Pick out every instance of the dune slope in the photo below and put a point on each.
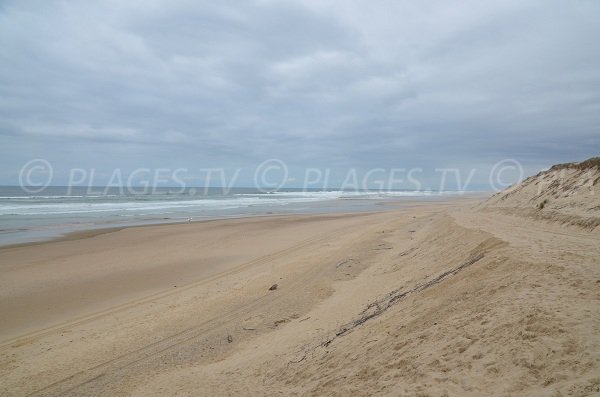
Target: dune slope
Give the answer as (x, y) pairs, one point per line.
(566, 193)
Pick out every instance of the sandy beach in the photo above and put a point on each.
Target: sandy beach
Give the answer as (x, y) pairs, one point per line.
(300, 198)
(439, 298)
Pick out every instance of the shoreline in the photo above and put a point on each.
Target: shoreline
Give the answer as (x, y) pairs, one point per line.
(94, 231)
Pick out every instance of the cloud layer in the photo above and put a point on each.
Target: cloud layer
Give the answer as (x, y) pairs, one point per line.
(316, 83)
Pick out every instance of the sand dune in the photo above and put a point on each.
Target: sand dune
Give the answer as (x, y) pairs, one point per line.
(566, 193)
(456, 298)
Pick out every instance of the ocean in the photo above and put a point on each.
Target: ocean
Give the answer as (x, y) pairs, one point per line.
(58, 210)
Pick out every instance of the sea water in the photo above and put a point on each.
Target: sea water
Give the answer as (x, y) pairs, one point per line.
(57, 210)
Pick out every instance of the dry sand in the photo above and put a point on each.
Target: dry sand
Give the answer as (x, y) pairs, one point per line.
(435, 299)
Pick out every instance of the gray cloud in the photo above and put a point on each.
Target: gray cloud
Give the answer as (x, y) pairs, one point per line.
(330, 83)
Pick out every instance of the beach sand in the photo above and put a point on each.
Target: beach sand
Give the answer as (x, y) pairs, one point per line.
(430, 299)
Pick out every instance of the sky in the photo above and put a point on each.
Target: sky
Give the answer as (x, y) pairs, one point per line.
(325, 84)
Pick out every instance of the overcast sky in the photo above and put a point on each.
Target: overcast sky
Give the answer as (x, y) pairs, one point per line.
(328, 84)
